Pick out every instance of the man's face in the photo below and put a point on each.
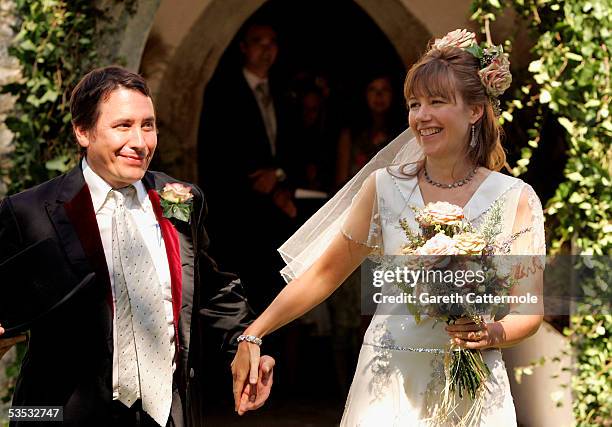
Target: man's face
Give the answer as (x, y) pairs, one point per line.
(122, 143)
(259, 48)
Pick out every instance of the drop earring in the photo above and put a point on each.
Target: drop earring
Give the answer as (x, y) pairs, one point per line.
(473, 140)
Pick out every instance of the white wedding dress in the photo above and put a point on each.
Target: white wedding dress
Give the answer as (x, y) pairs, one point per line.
(400, 375)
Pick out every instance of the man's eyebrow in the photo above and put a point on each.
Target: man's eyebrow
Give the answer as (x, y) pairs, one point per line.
(122, 119)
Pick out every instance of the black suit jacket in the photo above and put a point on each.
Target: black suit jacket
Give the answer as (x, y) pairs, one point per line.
(70, 354)
(233, 129)
(234, 144)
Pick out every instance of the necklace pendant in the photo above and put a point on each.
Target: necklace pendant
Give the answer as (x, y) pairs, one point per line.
(455, 184)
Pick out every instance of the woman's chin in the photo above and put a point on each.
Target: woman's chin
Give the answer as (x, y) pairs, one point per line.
(431, 150)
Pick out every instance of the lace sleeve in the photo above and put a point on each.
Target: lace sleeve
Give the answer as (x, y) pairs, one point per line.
(529, 225)
(529, 250)
(362, 224)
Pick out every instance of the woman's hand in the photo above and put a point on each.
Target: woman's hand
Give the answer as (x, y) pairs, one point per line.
(252, 377)
(467, 333)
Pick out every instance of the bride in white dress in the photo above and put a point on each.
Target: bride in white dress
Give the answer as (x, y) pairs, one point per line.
(454, 157)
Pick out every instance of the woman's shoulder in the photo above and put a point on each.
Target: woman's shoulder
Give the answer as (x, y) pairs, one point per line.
(526, 195)
(505, 180)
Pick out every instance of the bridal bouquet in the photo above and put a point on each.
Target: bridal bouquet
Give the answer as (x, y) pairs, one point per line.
(458, 270)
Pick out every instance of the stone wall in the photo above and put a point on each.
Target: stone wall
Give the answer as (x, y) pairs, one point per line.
(9, 72)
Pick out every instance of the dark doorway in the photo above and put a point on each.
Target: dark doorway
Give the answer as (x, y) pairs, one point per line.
(336, 38)
(319, 40)
(335, 43)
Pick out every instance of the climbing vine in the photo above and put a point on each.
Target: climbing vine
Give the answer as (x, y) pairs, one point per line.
(55, 47)
(570, 80)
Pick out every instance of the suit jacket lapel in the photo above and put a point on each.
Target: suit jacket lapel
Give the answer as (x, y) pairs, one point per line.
(75, 222)
(74, 219)
(173, 242)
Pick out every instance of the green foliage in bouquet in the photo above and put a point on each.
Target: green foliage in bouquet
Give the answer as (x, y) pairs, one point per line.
(570, 80)
(447, 242)
(468, 372)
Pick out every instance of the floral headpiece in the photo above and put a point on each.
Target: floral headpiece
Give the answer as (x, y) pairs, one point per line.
(495, 65)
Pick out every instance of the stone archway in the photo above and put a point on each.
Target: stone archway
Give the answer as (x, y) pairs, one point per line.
(179, 88)
(180, 61)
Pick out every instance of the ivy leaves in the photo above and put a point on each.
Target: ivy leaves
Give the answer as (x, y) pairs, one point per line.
(571, 80)
(54, 47)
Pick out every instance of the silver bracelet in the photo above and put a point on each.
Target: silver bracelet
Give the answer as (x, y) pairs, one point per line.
(250, 338)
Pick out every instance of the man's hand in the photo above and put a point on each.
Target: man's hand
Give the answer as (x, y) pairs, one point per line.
(252, 376)
(253, 397)
(264, 180)
(7, 343)
(282, 199)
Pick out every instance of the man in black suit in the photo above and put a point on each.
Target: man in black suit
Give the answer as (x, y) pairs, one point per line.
(243, 139)
(128, 348)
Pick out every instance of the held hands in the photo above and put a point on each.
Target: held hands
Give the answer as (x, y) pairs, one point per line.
(7, 343)
(477, 336)
(252, 376)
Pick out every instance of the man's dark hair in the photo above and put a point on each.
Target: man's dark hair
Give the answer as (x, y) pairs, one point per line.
(252, 23)
(96, 87)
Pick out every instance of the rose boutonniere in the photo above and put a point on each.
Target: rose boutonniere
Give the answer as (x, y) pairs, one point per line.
(177, 201)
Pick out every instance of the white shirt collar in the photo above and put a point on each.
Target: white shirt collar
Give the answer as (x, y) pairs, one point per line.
(252, 79)
(99, 189)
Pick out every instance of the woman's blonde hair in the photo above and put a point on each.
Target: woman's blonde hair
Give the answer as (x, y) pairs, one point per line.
(441, 72)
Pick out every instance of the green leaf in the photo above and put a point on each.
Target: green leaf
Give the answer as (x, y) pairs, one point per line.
(568, 125)
(575, 176)
(545, 96)
(50, 96)
(573, 56)
(535, 66)
(180, 213)
(59, 164)
(475, 50)
(28, 45)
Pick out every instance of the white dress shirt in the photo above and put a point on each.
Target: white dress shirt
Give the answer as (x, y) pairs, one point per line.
(253, 81)
(144, 217)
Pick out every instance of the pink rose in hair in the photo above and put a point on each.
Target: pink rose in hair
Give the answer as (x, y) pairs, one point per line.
(496, 77)
(457, 38)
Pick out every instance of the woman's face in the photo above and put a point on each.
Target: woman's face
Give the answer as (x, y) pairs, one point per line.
(379, 95)
(441, 125)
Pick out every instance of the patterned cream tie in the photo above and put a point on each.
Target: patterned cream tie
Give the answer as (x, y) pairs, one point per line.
(267, 113)
(144, 351)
